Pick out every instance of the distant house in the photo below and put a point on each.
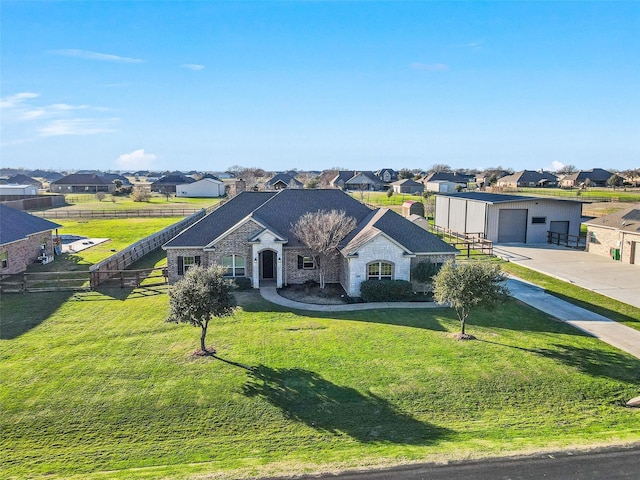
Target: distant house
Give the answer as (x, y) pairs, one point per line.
(458, 178)
(282, 180)
(82, 183)
(442, 186)
(21, 179)
(507, 218)
(485, 178)
(251, 236)
(113, 177)
(407, 186)
(529, 178)
(353, 180)
(597, 177)
(387, 175)
(168, 183)
(24, 239)
(616, 235)
(205, 188)
(49, 176)
(18, 190)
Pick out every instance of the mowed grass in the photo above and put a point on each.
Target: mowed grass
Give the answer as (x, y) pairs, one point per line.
(121, 233)
(101, 387)
(156, 202)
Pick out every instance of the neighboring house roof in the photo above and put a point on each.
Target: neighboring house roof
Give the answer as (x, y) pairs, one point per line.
(411, 237)
(173, 179)
(81, 179)
(627, 220)
(449, 176)
(343, 176)
(211, 176)
(112, 177)
(46, 175)
(361, 178)
(17, 225)
(494, 198)
(529, 176)
(407, 182)
(392, 173)
(595, 175)
(21, 179)
(284, 178)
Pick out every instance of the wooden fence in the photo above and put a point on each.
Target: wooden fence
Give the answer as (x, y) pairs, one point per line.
(45, 282)
(169, 212)
(104, 270)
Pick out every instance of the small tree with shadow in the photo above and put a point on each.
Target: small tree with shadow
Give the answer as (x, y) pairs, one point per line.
(202, 294)
(467, 286)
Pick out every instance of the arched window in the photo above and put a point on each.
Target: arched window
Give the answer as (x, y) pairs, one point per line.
(380, 271)
(233, 265)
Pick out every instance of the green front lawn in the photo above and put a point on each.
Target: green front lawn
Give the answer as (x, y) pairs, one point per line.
(157, 202)
(96, 385)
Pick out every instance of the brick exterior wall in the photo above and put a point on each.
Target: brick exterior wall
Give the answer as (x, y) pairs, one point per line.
(24, 252)
(293, 275)
(600, 241)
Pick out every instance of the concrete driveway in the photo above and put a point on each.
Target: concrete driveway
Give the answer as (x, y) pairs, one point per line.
(617, 280)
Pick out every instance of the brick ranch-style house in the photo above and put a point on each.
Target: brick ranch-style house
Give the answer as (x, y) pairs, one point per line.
(251, 236)
(24, 239)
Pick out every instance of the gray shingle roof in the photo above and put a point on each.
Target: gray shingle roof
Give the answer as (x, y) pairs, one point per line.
(285, 178)
(81, 179)
(220, 220)
(16, 225)
(412, 237)
(627, 220)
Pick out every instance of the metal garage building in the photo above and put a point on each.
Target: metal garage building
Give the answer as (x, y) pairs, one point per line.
(508, 218)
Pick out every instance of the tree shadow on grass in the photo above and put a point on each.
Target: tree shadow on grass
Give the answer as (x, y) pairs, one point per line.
(21, 312)
(592, 361)
(306, 397)
(595, 362)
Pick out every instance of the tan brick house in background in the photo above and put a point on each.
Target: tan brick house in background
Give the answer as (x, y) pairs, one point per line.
(250, 235)
(616, 235)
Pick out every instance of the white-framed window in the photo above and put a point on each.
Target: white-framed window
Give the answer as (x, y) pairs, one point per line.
(306, 263)
(187, 263)
(380, 270)
(4, 259)
(234, 265)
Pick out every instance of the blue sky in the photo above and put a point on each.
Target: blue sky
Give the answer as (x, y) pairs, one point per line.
(313, 85)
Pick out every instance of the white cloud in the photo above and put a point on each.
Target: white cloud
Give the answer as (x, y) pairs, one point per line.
(555, 166)
(13, 101)
(86, 54)
(76, 126)
(430, 67)
(136, 160)
(195, 67)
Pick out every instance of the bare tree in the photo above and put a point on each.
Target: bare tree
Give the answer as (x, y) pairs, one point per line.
(322, 232)
(566, 170)
(439, 168)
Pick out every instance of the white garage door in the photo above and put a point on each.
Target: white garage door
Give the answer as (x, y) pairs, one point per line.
(512, 226)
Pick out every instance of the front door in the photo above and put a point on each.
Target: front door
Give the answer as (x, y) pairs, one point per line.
(268, 264)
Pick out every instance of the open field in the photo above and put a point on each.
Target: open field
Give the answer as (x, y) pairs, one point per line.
(96, 385)
(157, 202)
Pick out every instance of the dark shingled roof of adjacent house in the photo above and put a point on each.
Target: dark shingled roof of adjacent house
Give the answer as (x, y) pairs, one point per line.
(412, 237)
(220, 220)
(82, 179)
(284, 178)
(17, 225)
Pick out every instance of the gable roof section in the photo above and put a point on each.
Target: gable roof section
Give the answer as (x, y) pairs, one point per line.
(529, 176)
(223, 218)
(17, 225)
(408, 182)
(627, 220)
(287, 206)
(82, 179)
(410, 236)
(284, 178)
